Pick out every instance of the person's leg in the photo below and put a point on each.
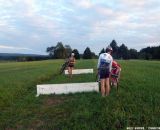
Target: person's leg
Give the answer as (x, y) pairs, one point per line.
(107, 86)
(103, 87)
(71, 72)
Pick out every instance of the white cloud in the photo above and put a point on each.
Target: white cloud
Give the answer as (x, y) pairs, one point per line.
(83, 3)
(104, 11)
(44, 23)
(135, 3)
(24, 50)
(16, 48)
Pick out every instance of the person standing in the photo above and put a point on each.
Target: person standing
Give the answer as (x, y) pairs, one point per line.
(104, 67)
(71, 63)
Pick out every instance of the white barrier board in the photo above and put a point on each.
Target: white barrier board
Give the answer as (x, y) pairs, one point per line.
(67, 88)
(80, 71)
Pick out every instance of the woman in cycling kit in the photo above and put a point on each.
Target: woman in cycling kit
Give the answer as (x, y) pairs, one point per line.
(71, 64)
(104, 68)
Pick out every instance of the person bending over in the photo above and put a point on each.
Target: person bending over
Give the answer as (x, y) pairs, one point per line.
(115, 73)
(104, 68)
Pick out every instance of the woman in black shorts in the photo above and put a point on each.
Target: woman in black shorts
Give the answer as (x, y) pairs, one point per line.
(71, 64)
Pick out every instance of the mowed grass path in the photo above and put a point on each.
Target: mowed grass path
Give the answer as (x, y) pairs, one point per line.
(136, 104)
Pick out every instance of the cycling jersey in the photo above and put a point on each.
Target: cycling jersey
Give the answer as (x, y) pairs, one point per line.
(105, 61)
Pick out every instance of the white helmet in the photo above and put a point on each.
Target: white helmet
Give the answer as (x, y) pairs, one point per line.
(72, 54)
(109, 48)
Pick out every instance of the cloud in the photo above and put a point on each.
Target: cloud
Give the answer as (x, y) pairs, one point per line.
(13, 49)
(134, 3)
(38, 24)
(86, 4)
(16, 48)
(104, 11)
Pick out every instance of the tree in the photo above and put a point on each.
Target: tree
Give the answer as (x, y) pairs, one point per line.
(150, 53)
(51, 51)
(114, 46)
(102, 51)
(142, 55)
(133, 54)
(124, 53)
(77, 55)
(58, 51)
(68, 50)
(94, 56)
(87, 53)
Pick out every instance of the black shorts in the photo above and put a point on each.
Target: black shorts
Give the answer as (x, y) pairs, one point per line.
(71, 65)
(104, 73)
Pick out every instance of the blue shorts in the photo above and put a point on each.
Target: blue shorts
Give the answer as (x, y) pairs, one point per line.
(104, 73)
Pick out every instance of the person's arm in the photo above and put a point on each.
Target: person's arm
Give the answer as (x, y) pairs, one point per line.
(98, 65)
(119, 66)
(110, 66)
(74, 61)
(98, 62)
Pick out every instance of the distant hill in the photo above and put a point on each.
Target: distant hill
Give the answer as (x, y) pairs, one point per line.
(18, 54)
(22, 57)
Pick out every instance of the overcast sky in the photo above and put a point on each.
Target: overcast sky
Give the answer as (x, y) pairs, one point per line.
(29, 26)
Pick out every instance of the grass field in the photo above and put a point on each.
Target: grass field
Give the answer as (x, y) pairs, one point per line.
(136, 104)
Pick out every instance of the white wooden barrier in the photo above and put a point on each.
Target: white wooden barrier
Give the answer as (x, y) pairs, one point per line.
(67, 88)
(80, 71)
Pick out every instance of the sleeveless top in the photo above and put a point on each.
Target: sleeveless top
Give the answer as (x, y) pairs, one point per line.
(71, 61)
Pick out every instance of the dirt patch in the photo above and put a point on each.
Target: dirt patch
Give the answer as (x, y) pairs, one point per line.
(10, 129)
(54, 101)
(37, 123)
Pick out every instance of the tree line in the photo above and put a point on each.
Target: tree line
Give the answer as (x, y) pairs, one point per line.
(61, 51)
(122, 52)
(150, 53)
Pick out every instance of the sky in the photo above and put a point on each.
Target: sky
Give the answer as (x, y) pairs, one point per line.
(30, 26)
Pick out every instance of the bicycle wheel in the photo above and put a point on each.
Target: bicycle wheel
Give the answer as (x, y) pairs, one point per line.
(62, 68)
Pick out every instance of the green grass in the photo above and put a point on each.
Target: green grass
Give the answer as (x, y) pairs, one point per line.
(78, 78)
(136, 104)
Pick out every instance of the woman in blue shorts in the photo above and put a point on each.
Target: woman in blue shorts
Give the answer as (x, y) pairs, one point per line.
(104, 68)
